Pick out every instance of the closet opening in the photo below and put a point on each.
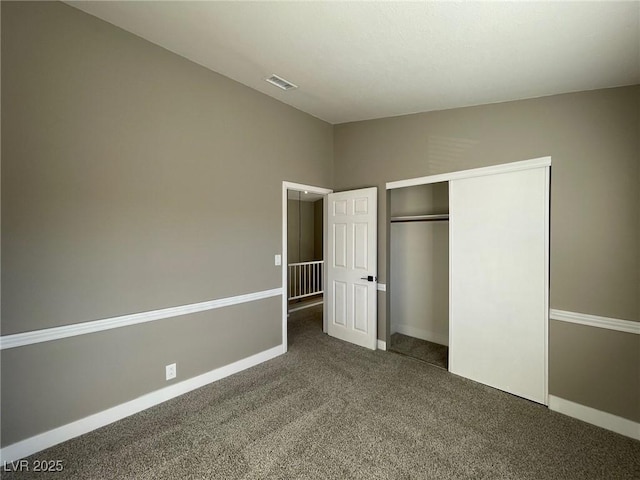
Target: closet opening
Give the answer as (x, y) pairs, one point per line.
(419, 272)
(476, 286)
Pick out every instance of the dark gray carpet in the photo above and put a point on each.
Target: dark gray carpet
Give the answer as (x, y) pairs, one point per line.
(429, 352)
(329, 410)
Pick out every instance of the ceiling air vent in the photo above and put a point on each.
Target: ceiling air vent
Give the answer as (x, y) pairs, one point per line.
(280, 82)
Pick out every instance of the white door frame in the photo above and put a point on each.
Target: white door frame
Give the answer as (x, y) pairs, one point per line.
(299, 187)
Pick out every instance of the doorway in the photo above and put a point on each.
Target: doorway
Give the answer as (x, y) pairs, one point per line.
(351, 250)
(305, 257)
(303, 250)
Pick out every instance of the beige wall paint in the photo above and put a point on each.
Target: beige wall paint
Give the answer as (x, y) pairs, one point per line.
(429, 199)
(318, 226)
(301, 233)
(592, 138)
(595, 367)
(419, 280)
(134, 175)
(132, 180)
(419, 264)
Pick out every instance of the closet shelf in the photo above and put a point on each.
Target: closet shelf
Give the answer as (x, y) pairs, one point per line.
(420, 218)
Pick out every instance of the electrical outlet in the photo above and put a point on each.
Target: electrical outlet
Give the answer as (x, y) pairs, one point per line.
(171, 371)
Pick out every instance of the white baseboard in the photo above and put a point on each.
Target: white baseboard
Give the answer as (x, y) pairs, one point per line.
(382, 345)
(423, 334)
(71, 430)
(620, 425)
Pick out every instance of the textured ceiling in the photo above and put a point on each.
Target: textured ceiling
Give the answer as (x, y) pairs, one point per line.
(363, 60)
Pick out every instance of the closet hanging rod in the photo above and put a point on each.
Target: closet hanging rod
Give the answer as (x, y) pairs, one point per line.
(420, 218)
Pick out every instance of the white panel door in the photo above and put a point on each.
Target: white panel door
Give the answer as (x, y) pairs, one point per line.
(351, 268)
(499, 280)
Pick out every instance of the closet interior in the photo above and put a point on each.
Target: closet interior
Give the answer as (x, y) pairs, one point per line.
(419, 272)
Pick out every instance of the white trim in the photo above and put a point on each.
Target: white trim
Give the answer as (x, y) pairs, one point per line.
(475, 172)
(300, 187)
(451, 305)
(71, 430)
(423, 334)
(325, 255)
(65, 331)
(617, 424)
(314, 262)
(382, 287)
(547, 269)
(382, 345)
(627, 326)
(307, 295)
(309, 305)
(285, 305)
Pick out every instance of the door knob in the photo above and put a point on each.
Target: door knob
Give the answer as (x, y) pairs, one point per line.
(369, 278)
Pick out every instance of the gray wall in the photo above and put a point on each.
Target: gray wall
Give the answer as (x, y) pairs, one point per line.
(596, 367)
(318, 226)
(592, 138)
(132, 180)
(418, 287)
(301, 232)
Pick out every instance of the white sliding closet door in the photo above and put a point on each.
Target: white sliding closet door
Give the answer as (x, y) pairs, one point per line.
(499, 280)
